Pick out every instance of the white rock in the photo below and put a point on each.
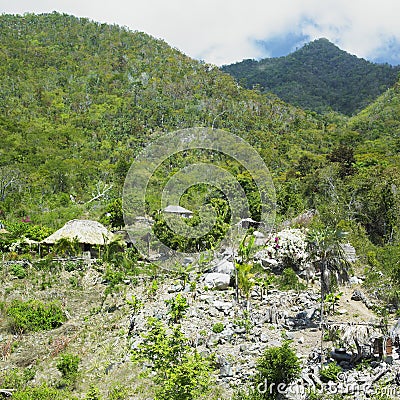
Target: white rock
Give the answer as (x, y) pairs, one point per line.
(264, 338)
(222, 305)
(218, 281)
(224, 267)
(355, 281)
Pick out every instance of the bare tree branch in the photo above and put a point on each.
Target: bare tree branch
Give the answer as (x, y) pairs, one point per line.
(101, 190)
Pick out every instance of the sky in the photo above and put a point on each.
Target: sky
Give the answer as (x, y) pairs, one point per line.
(226, 31)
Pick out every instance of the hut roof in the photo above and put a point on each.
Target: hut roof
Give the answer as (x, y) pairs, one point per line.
(177, 209)
(85, 231)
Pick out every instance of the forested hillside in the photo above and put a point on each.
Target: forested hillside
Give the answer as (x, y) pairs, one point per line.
(319, 77)
(78, 101)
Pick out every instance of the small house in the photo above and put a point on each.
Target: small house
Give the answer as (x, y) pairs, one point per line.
(91, 235)
(178, 210)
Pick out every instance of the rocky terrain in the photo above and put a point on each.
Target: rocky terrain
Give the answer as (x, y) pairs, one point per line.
(97, 327)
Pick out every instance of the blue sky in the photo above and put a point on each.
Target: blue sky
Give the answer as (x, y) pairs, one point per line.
(223, 32)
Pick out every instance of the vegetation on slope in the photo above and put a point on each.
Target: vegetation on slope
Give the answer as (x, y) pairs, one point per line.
(80, 99)
(319, 77)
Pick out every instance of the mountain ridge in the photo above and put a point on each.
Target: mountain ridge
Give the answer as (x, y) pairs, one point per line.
(319, 76)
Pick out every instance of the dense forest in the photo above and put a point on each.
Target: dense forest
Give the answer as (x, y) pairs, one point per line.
(79, 100)
(319, 77)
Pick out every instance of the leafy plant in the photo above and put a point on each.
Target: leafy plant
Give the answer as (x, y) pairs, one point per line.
(19, 271)
(153, 287)
(177, 308)
(17, 378)
(277, 365)
(68, 365)
(183, 272)
(245, 281)
(218, 327)
(42, 392)
(34, 315)
(330, 372)
(290, 280)
(244, 322)
(67, 247)
(180, 373)
(93, 394)
(331, 301)
(135, 303)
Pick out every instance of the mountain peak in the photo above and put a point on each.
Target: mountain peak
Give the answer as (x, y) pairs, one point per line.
(319, 76)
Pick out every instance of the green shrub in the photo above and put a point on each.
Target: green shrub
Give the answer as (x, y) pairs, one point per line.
(70, 266)
(118, 391)
(330, 372)
(19, 271)
(278, 365)
(34, 315)
(218, 327)
(93, 394)
(68, 365)
(290, 280)
(177, 307)
(114, 276)
(42, 393)
(179, 372)
(17, 378)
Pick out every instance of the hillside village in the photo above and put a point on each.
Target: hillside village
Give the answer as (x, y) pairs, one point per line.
(307, 305)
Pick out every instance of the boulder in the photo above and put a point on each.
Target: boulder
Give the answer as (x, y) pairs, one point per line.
(224, 267)
(218, 281)
(354, 280)
(222, 305)
(358, 295)
(349, 252)
(225, 370)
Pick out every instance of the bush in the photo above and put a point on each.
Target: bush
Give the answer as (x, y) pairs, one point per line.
(330, 372)
(179, 372)
(42, 393)
(278, 365)
(178, 307)
(34, 315)
(19, 271)
(290, 280)
(68, 365)
(93, 394)
(218, 327)
(17, 378)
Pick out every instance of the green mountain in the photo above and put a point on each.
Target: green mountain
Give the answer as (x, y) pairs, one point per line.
(319, 77)
(80, 99)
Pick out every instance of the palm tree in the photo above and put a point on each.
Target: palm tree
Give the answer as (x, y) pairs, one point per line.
(245, 281)
(113, 248)
(326, 251)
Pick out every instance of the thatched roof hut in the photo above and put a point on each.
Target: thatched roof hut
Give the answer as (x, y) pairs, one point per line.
(178, 210)
(85, 231)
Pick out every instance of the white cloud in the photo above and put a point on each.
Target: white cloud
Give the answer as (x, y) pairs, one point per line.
(220, 32)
